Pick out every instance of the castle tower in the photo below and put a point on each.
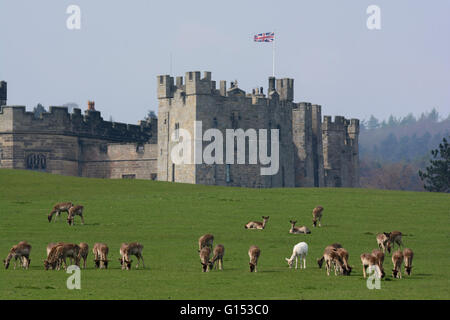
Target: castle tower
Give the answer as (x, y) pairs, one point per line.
(3, 93)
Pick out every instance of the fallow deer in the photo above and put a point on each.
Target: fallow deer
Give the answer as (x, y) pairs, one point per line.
(333, 246)
(369, 260)
(50, 246)
(343, 254)
(383, 242)
(257, 224)
(135, 249)
(205, 241)
(84, 251)
(217, 260)
(21, 252)
(298, 230)
(60, 253)
(253, 252)
(379, 255)
(408, 255)
(100, 251)
(395, 237)
(397, 260)
(317, 215)
(75, 211)
(299, 250)
(58, 208)
(54, 255)
(204, 254)
(332, 259)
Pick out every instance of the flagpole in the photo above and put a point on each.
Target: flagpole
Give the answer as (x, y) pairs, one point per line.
(273, 54)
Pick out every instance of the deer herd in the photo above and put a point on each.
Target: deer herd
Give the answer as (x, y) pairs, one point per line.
(335, 256)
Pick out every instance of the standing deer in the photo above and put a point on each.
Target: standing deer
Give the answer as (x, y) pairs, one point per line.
(383, 242)
(395, 237)
(58, 208)
(54, 254)
(369, 260)
(332, 259)
(84, 251)
(299, 250)
(397, 260)
(317, 215)
(204, 254)
(217, 260)
(408, 255)
(50, 246)
(60, 253)
(135, 249)
(298, 230)
(205, 241)
(343, 254)
(333, 246)
(379, 255)
(75, 211)
(257, 224)
(100, 251)
(21, 252)
(254, 252)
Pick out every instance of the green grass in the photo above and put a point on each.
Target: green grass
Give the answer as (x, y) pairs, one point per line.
(169, 218)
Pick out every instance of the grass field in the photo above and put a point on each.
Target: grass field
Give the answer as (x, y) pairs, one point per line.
(169, 218)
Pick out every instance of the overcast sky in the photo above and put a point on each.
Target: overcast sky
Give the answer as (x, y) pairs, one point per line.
(325, 46)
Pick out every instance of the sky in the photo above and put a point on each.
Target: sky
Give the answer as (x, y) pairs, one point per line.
(325, 45)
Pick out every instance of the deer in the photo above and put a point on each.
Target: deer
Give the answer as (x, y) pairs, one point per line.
(299, 250)
(100, 251)
(21, 252)
(379, 255)
(317, 215)
(333, 246)
(332, 259)
(397, 260)
(395, 237)
(75, 211)
(205, 241)
(217, 260)
(54, 254)
(204, 254)
(383, 242)
(50, 246)
(369, 260)
(408, 255)
(298, 230)
(60, 253)
(253, 252)
(134, 248)
(343, 254)
(58, 208)
(84, 251)
(257, 224)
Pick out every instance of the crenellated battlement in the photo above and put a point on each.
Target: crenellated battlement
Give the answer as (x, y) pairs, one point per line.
(59, 121)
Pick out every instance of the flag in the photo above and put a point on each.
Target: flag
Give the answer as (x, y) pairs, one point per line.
(264, 37)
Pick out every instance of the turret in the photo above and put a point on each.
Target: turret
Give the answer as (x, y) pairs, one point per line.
(3, 93)
(285, 88)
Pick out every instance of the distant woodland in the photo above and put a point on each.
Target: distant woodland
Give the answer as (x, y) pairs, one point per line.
(393, 151)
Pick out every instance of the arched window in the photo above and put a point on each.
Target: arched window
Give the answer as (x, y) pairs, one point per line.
(36, 161)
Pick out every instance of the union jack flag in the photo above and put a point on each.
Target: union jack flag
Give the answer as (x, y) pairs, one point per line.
(264, 37)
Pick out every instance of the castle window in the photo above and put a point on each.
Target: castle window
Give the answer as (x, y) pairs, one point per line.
(153, 176)
(128, 176)
(228, 173)
(177, 130)
(140, 148)
(161, 80)
(36, 162)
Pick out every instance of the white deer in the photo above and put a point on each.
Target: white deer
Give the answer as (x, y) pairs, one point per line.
(300, 250)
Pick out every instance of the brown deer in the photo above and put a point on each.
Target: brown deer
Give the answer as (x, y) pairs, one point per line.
(408, 255)
(135, 249)
(60, 253)
(333, 246)
(75, 211)
(217, 260)
(332, 259)
(298, 230)
(379, 255)
(383, 242)
(53, 260)
(21, 252)
(257, 224)
(253, 252)
(58, 208)
(395, 237)
(100, 251)
(205, 241)
(50, 246)
(369, 260)
(397, 260)
(84, 251)
(343, 254)
(204, 254)
(317, 215)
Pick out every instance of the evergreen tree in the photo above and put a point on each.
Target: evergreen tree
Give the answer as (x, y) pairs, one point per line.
(437, 175)
(373, 123)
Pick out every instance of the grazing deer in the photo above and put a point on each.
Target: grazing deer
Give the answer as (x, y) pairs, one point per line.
(205, 241)
(50, 246)
(330, 247)
(53, 260)
(397, 260)
(408, 255)
(332, 259)
(75, 211)
(298, 230)
(257, 224)
(379, 255)
(217, 260)
(254, 252)
(84, 251)
(299, 250)
(100, 251)
(317, 215)
(135, 249)
(60, 253)
(21, 252)
(395, 237)
(343, 254)
(383, 242)
(58, 208)
(369, 260)
(204, 254)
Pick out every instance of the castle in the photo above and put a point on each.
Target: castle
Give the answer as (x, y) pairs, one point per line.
(312, 152)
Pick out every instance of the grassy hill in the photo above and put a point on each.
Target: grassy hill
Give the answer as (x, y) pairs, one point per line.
(169, 218)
